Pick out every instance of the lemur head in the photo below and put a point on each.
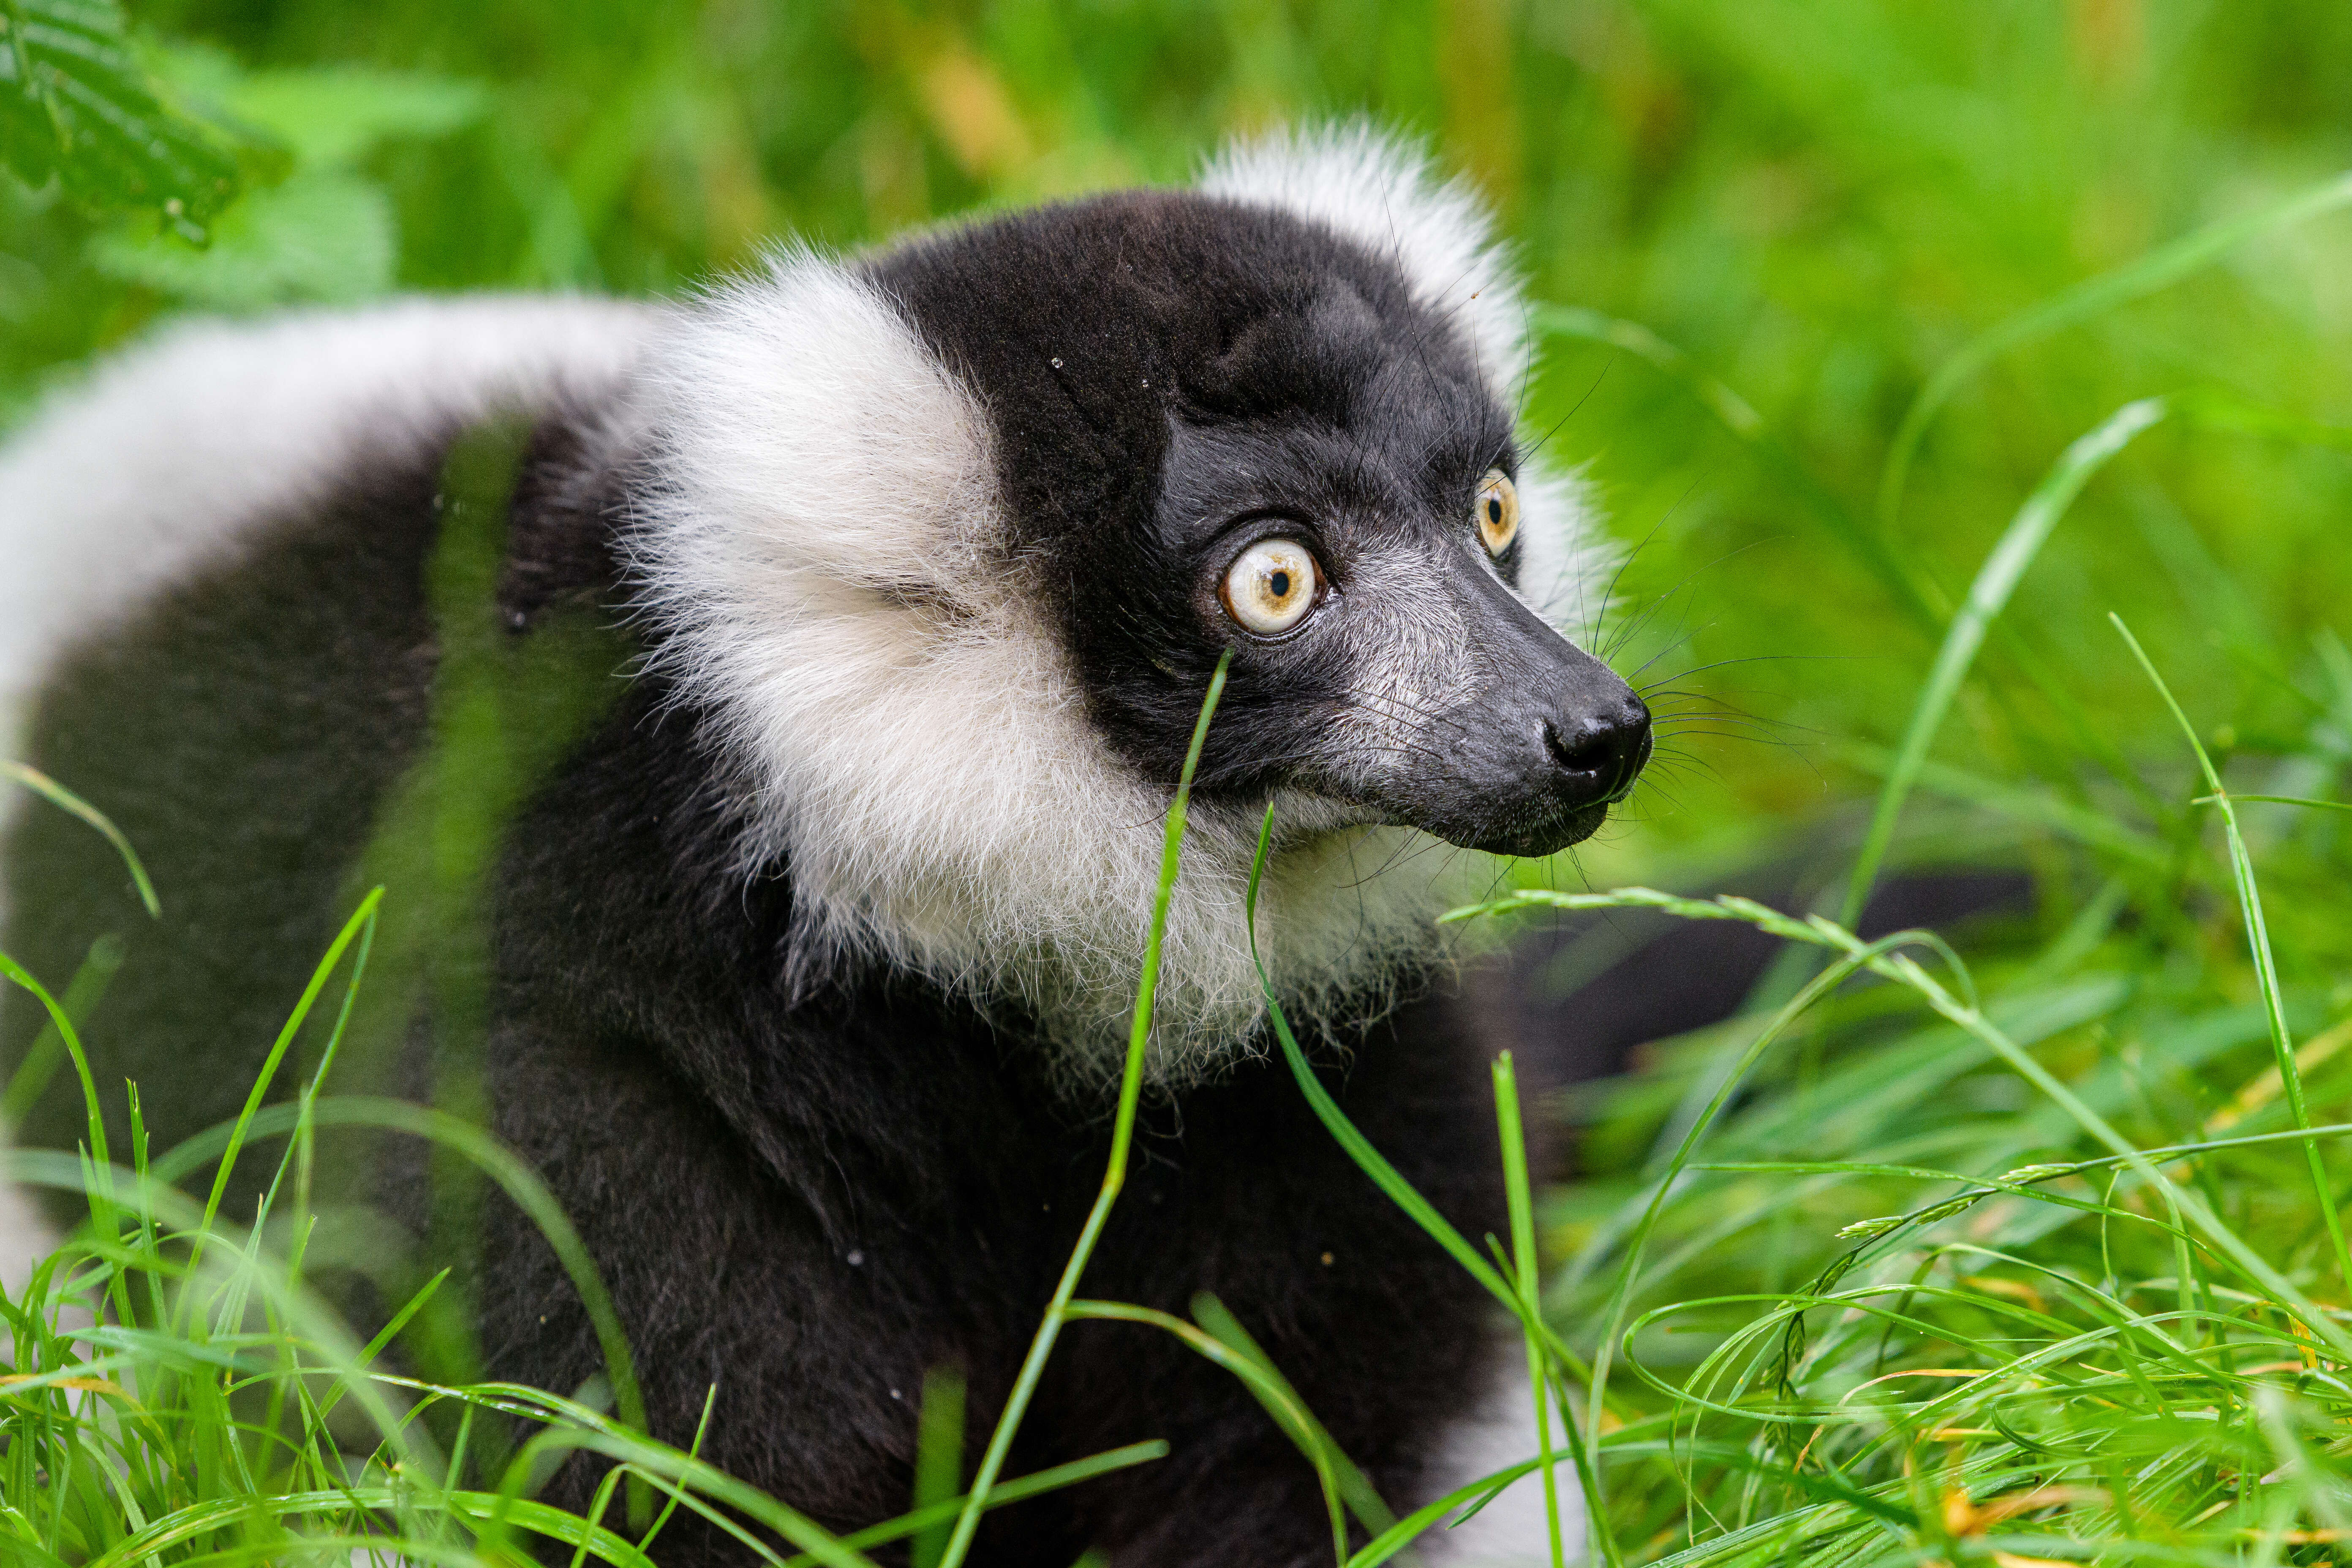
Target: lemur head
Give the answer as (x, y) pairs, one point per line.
(950, 539)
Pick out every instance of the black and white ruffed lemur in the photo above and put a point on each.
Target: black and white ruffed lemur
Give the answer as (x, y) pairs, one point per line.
(809, 960)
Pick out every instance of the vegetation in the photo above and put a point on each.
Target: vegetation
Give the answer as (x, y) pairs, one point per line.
(1907, 343)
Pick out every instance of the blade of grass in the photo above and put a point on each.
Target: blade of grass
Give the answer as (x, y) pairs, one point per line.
(1878, 958)
(2158, 270)
(362, 919)
(1521, 1205)
(518, 1180)
(1130, 1090)
(1388, 1542)
(1360, 1148)
(1355, 1487)
(386, 1334)
(1036, 1484)
(939, 1460)
(656, 1462)
(676, 1489)
(1995, 582)
(2032, 807)
(338, 1348)
(99, 1190)
(40, 1064)
(1272, 1392)
(1620, 1297)
(2274, 800)
(65, 800)
(2257, 941)
(150, 1543)
(1418, 1209)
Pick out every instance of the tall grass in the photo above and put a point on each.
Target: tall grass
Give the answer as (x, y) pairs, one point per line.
(2092, 1315)
(2043, 1265)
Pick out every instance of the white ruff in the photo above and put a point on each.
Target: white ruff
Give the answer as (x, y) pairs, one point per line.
(822, 553)
(172, 455)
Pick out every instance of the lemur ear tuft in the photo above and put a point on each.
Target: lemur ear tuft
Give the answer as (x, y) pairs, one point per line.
(571, 499)
(1385, 192)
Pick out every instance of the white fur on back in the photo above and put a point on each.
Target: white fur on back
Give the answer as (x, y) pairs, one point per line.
(824, 550)
(172, 451)
(1380, 191)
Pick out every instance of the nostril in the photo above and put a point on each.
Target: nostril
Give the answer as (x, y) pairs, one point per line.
(1588, 753)
(1610, 752)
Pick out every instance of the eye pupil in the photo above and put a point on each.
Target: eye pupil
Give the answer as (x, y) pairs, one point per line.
(1496, 513)
(1280, 584)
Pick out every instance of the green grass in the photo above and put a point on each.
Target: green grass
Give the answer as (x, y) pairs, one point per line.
(1908, 343)
(2049, 1266)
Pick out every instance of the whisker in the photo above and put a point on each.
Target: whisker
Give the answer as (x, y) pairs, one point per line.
(1664, 518)
(1635, 673)
(1696, 574)
(1529, 455)
(1774, 658)
(1617, 576)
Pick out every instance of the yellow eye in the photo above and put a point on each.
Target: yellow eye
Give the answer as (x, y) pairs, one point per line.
(1271, 587)
(1498, 511)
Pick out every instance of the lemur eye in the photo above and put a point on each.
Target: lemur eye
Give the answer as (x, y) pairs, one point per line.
(1271, 587)
(1498, 511)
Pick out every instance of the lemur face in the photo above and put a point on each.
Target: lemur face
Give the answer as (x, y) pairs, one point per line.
(1216, 427)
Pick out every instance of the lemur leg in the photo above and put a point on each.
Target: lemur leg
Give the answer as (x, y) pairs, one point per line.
(1514, 1531)
(24, 1238)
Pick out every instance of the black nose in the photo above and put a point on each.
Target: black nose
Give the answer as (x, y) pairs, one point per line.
(1601, 755)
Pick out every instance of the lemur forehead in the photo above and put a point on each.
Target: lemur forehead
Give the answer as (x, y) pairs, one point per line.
(1087, 330)
(1211, 287)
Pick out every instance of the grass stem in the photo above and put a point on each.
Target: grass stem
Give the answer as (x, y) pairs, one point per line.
(1131, 1093)
(2258, 941)
(1528, 1276)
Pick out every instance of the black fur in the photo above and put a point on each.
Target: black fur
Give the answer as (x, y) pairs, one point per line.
(1156, 368)
(242, 733)
(726, 1152)
(812, 1204)
(570, 496)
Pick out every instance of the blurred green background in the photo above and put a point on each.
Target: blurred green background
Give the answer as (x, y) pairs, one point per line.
(1819, 200)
